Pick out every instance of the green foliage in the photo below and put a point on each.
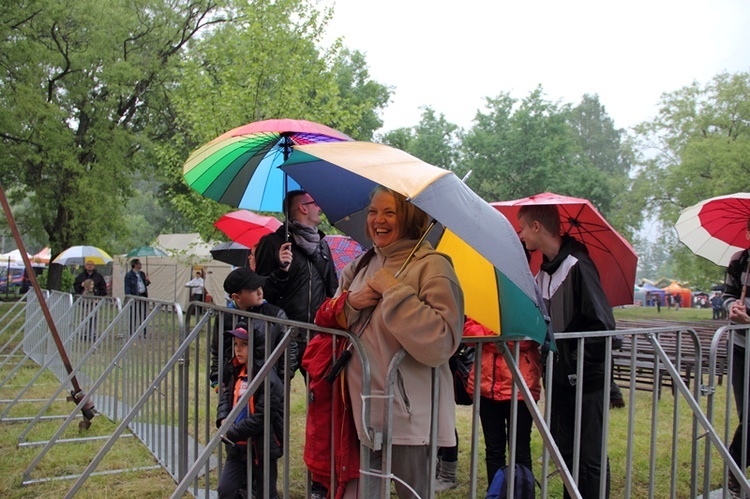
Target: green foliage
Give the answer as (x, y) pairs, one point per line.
(696, 148)
(81, 87)
(266, 64)
(521, 148)
(66, 280)
(434, 140)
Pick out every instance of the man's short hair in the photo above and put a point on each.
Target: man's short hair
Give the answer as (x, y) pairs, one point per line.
(134, 262)
(546, 214)
(289, 198)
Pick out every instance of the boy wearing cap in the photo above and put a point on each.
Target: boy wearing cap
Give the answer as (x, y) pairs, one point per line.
(248, 427)
(245, 290)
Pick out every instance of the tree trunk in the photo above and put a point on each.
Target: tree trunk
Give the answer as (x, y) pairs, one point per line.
(54, 277)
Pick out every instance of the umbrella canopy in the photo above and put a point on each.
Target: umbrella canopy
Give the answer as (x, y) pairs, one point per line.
(43, 256)
(344, 249)
(13, 256)
(246, 227)
(145, 251)
(240, 167)
(79, 255)
(232, 253)
(716, 228)
(486, 253)
(614, 257)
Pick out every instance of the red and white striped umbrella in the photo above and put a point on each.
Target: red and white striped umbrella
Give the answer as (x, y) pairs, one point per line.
(716, 228)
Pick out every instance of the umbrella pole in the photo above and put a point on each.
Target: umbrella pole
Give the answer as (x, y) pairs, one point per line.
(287, 144)
(76, 395)
(426, 232)
(414, 249)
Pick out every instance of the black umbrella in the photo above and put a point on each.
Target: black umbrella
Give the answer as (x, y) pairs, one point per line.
(232, 253)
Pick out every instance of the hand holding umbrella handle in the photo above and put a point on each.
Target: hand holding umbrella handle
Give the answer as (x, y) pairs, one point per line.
(285, 255)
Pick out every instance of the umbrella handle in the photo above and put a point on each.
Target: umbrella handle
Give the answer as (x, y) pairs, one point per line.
(426, 232)
(416, 246)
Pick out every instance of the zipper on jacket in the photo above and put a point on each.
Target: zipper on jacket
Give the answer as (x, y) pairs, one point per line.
(402, 389)
(309, 291)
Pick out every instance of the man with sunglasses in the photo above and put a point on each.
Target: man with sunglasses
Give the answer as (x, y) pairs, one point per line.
(300, 271)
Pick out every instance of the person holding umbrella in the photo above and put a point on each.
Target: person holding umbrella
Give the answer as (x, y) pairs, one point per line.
(404, 296)
(576, 302)
(89, 272)
(736, 302)
(300, 268)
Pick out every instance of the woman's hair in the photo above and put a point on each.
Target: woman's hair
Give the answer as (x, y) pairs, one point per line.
(412, 220)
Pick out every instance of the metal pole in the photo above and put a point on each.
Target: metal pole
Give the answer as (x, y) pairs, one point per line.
(76, 395)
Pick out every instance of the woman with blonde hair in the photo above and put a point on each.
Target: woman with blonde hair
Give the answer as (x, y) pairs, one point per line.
(396, 300)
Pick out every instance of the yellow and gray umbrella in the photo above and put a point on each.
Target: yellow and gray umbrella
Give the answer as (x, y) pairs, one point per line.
(79, 255)
(487, 255)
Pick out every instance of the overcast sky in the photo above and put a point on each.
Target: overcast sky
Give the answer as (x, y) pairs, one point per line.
(452, 55)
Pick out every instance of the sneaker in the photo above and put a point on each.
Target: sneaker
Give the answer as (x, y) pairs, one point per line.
(316, 495)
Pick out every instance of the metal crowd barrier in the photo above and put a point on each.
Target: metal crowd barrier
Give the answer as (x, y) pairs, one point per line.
(200, 480)
(19, 317)
(115, 360)
(157, 387)
(732, 407)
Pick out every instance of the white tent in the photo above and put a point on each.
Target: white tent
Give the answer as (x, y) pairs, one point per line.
(168, 275)
(188, 246)
(14, 257)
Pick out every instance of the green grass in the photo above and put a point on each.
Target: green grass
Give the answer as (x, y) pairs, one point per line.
(650, 313)
(129, 453)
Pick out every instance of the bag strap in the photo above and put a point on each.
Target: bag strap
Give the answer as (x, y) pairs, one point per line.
(366, 257)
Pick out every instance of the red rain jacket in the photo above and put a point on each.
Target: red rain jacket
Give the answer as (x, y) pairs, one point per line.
(496, 379)
(328, 400)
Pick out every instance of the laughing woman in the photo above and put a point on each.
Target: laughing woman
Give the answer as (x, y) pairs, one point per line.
(421, 311)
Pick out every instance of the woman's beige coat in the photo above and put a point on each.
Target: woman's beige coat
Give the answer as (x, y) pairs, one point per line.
(424, 314)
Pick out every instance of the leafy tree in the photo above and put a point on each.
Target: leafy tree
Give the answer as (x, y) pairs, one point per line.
(434, 140)
(517, 149)
(400, 138)
(607, 150)
(696, 148)
(266, 64)
(82, 84)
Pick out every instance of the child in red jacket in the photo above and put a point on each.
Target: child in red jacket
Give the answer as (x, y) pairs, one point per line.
(495, 384)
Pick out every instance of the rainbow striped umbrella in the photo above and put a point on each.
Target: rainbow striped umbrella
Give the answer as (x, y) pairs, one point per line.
(486, 252)
(240, 167)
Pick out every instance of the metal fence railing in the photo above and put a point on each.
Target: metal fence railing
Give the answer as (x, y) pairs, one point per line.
(146, 370)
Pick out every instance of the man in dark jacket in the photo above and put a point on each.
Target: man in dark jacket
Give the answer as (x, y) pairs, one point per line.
(736, 303)
(136, 284)
(300, 271)
(576, 302)
(136, 281)
(100, 285)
